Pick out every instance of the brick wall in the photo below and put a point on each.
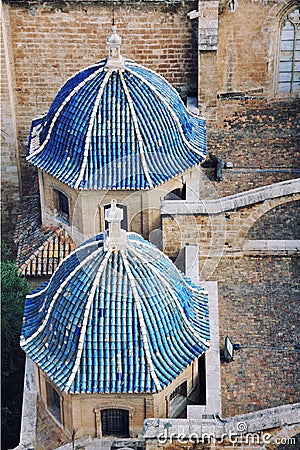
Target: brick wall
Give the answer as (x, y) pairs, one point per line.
(239, 180)
(51, 41)
(49, 435)
(262, 142)
(259, 306)
(281, 222)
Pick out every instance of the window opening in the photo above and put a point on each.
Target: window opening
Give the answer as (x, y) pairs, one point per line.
(53, 401)
(63, 207)
(179, 401)
(115, 422)
(202, 380)
(289, 60)
(177, 194)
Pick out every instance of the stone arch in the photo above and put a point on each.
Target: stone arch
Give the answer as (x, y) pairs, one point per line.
(279, 223)
(259, 210)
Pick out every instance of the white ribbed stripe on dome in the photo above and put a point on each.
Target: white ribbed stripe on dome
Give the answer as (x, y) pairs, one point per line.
(204, 292)
(64, 103)
(137, 130)
(69, 277)
(168, 107)
(36, 294)
(170, 290)
(137, 299)
(147, 69)
(90, 128)
(85, 320)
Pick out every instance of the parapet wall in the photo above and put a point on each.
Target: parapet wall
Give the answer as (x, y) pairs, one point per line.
(220, 226)
(261, 429)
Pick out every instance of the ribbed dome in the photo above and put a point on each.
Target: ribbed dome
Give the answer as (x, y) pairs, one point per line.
(115, 320)
(116, 128)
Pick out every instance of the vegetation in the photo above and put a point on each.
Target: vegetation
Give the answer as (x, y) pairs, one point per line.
(13, 291)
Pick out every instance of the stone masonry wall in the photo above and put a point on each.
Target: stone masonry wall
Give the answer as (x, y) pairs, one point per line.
(10, 182)
(243, 64)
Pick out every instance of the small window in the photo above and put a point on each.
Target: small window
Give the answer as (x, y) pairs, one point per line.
(179, 401)
(63, 207)
(124, 222)
(115, 422)
(181, 390)
(289, 57)
(53, 401)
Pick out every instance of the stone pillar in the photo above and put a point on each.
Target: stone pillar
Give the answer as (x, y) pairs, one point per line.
(10, 170)
(192, 180)
(207, 15)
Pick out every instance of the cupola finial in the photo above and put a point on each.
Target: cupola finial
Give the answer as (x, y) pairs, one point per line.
(115, 60)
(117, 237)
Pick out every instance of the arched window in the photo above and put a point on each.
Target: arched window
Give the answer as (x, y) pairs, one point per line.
(289, 54)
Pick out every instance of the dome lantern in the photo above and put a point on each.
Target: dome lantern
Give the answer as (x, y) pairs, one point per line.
(115, 60)
(117, 238)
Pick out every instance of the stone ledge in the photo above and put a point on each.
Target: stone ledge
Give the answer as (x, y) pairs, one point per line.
(231, 202)
(271, 246)
(28, 420)
(266, 419)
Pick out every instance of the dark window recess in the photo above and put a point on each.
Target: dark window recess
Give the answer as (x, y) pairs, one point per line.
(177, 194)
(63, 206)
(53, 402)
(180, 390)
(202, 380)
(124, 222)
(115, 422)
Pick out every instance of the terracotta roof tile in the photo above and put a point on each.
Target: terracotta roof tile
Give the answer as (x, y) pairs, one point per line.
(40, 248)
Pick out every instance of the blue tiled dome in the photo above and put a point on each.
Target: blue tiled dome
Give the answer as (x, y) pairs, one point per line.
(111, 128)
(115, 320)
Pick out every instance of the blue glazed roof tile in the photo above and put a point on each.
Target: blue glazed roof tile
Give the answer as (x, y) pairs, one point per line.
(116, 129)
(115, 321)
